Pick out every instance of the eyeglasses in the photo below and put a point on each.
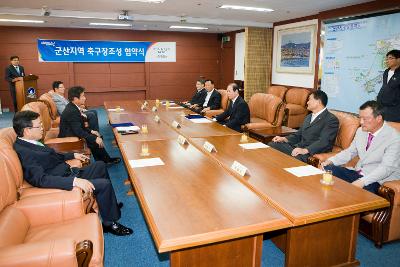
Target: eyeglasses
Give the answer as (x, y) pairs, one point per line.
(33, 127)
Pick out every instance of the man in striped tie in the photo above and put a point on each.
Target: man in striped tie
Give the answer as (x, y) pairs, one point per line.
(378, 147)
(13, 73)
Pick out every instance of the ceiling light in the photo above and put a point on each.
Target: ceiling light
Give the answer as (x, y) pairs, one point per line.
(22, 20)
(188, 27)
(110, 24)
(147, 1)
(247, 8)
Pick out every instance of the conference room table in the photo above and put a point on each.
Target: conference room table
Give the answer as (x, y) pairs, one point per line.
(313, 224)
(194, 209)
(325, 217)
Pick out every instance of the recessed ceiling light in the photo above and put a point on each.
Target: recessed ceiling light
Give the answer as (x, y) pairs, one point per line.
(247, 8)
(22, 20)
(188, 27)
(147, 1)
(110, 24)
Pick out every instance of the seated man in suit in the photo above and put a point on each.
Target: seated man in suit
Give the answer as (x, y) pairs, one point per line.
(378, 147)
(43, 167)
(61, 102)
(212, 100)
(317, 133)
(72, 124)
(237, 113)
(200, 95)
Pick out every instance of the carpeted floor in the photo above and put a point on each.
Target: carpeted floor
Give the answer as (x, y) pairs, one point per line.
(139, 250)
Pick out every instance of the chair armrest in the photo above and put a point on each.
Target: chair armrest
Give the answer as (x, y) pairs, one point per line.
(53, 207)
(211, 113)
(394, 185)
(66, 144)
(60, 252)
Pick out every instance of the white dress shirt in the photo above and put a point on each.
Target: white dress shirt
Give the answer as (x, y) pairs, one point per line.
(207, 98)
(313, 116)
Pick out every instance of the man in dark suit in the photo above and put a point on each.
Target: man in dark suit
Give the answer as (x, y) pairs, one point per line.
(13, 73)
(237, 113)
(199, 95)
(43, 167)
(389, 95)
(316, 135)
(212, 100)
(72, 124)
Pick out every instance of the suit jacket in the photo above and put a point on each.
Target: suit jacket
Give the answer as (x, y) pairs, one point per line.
(389, 96)
(60, 101)
(318, 136)
(381, 162)
(238, 114)
(199, 97)
(215, 100)
(72, 124)
(43, 167)
(11, 73)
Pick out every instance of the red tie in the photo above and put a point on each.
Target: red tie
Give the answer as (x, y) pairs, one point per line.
(370, 137)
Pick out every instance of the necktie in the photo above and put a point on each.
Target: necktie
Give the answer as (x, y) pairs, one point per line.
(17, 69)
(370, 137)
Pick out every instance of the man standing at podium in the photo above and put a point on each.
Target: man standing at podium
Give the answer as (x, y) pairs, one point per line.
(14, 72)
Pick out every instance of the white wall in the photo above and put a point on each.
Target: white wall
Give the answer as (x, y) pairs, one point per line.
(291, 79)
(239, 56)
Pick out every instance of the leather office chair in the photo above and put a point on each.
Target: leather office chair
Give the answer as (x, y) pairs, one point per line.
(51, 106)
(296, 105)
(279, 91)
(24, 189)
(266, 111)
(224, 104)
(348, 125)
(50, 134)
(46, 230)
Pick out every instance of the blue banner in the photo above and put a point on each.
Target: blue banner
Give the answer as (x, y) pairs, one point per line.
(105, 51)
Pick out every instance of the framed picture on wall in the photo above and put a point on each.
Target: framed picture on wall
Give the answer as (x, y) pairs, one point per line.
(296, 49)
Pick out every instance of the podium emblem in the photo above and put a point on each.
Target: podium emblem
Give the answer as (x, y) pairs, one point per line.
(31, 92)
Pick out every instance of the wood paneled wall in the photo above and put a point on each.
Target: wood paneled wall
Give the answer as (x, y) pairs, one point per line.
(198, 54)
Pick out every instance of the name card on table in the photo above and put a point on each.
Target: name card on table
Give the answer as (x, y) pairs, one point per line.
(115, 109)
(140, 163)
(176, 124)
(154, 109)
(239, 168)
(209, 147)
(182, 140)
(156, 118)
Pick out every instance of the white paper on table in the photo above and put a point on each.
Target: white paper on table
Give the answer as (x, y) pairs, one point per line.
(304, 171)
(127, 128)
(115, 109)
(139, 163)
(200, 120)
(253, 145)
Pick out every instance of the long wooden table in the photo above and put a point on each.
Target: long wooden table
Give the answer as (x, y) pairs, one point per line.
(195, 210)
(323, 219)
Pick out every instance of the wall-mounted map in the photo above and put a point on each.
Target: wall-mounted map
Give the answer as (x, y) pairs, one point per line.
(353, 58)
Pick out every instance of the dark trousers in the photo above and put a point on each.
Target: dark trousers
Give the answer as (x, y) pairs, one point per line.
(13, 96)
(99, 153)
(351, 176)
(92, 119)
(97, 174)
(287, 149)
